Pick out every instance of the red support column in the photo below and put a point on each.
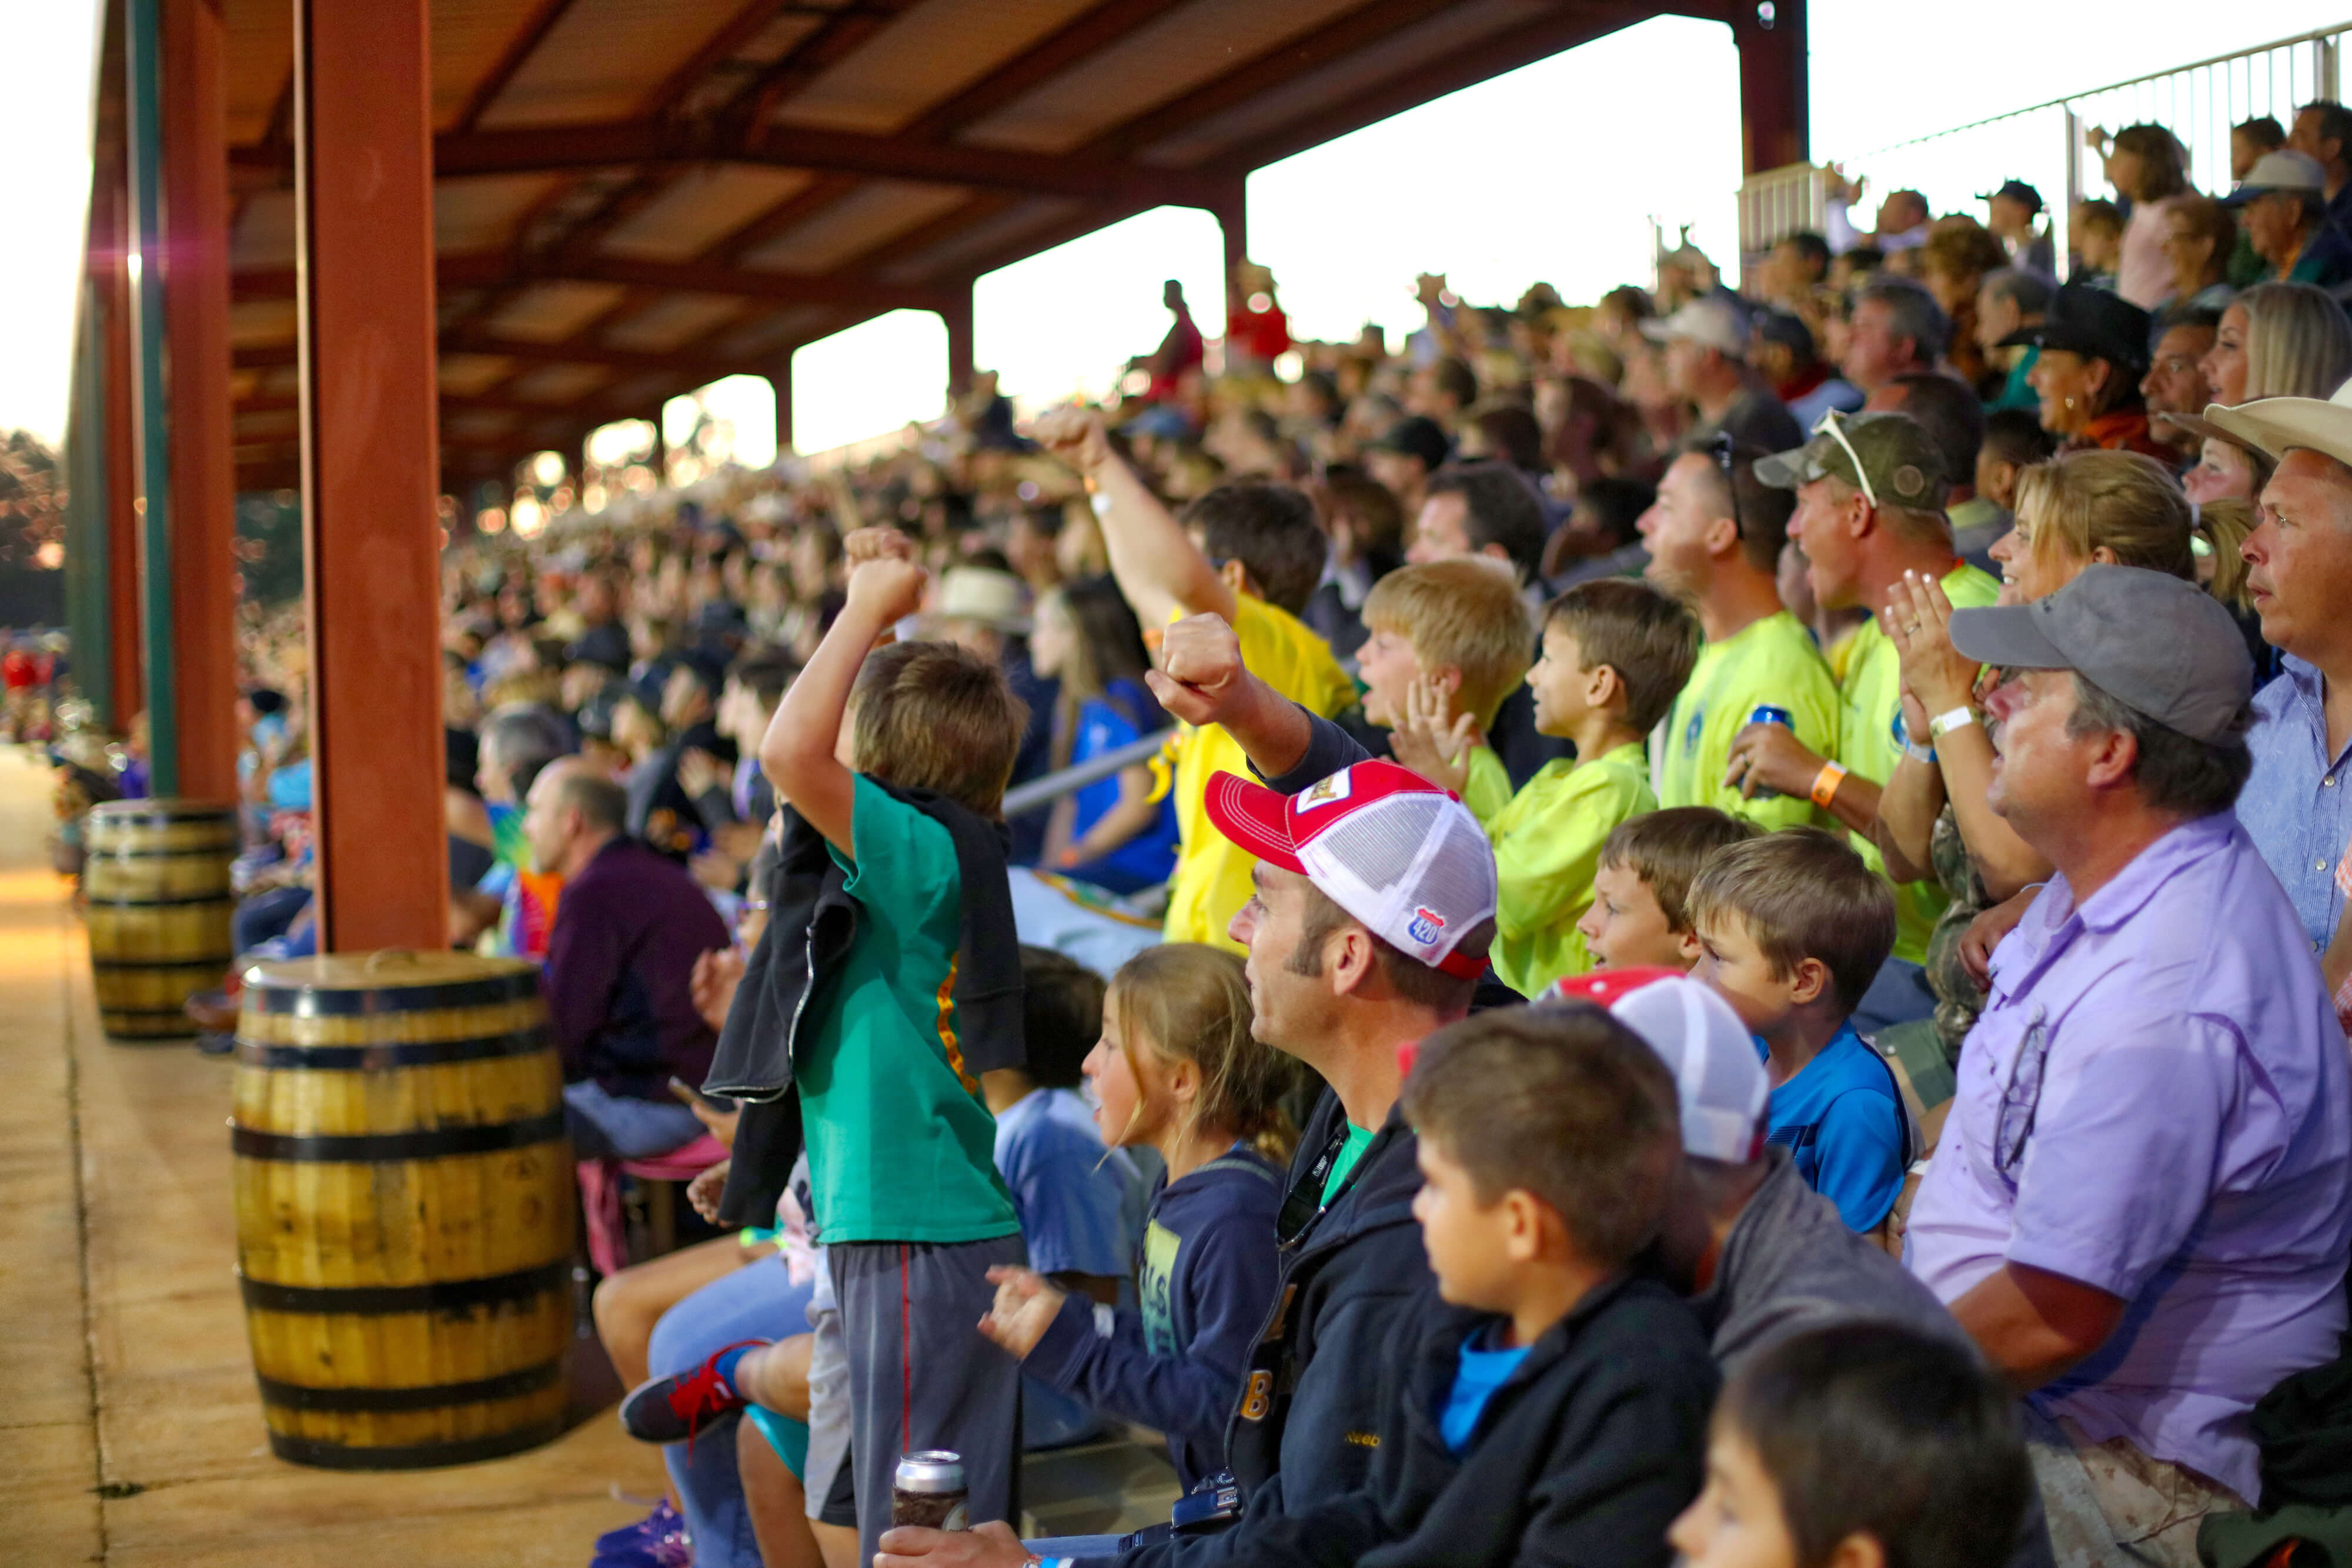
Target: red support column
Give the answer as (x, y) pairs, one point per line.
(364, 186)
(780, 379)
(1775, 113)
(120, 454)
(1232, 219)
(958, 317)
(202, 515)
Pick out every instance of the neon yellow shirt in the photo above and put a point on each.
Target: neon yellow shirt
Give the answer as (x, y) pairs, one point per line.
(1212, 875)
(1771, 663)
(1547, 847)
(1870, 744)
(1487, 790)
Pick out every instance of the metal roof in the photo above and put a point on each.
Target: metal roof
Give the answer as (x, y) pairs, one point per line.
(635, 197)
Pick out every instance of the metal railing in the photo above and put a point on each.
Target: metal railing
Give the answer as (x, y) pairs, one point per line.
(1070, 780)
(2042, 143)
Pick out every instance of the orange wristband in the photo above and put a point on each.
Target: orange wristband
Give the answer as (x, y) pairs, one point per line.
(1826, 782)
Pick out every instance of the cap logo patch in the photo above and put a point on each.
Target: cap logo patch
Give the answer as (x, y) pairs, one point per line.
(1909, 481)
(1324, 791)
(1426, 925)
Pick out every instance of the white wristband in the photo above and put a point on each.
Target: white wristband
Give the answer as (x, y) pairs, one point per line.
(1943, 724)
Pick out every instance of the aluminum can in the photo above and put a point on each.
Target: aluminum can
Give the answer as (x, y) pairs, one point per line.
(1767, 714)
(928, 1489)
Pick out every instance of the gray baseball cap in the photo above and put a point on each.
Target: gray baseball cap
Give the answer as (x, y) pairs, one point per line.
(2162, 647)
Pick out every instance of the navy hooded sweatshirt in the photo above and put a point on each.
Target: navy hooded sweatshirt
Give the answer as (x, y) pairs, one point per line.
(1205, 1273)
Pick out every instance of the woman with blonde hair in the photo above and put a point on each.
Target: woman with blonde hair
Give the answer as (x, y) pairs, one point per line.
(2079, 509)
(2279, 340)
(1177, 1070)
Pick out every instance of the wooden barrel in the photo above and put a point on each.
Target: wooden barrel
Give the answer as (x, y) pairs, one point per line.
(405, 1208)
(156, 882)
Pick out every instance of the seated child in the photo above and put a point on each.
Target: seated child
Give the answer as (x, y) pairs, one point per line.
(1615, 652)
(1791, 927)
(1861, 1444)
(1545, 1402)
(1640, 891)
(1177, 1071)
(1447, 641)
(1081, 1204)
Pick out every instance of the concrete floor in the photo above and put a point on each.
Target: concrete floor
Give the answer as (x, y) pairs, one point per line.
(130, 1431)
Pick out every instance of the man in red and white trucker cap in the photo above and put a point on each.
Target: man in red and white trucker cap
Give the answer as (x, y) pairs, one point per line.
(1400, 856)
(1367, 929)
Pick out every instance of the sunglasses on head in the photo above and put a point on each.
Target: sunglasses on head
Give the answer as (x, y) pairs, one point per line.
(1835, 426)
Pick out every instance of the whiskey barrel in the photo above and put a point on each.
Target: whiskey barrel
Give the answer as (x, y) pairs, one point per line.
(157, 890)
(405, 1208)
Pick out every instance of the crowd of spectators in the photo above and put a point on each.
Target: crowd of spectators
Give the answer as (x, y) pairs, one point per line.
(1789, 836)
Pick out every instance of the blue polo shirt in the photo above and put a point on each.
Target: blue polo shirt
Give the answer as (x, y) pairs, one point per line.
(2293, 806)
(1841, 1123)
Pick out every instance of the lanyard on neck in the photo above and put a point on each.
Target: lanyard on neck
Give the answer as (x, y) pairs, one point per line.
(1306, 1199)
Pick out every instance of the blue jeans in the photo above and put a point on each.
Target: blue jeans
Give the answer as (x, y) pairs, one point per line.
(262, 916)
(614, 1126)
(758, 1301)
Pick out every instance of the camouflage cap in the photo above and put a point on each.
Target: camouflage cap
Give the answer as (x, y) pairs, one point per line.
(1899, 460)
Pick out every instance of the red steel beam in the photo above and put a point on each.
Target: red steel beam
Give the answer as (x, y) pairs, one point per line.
(202, 515)
(491, 268)
(370, 470)
(547, 149)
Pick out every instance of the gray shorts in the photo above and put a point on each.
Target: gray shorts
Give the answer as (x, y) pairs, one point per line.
(828, 1417)
(919, 1375)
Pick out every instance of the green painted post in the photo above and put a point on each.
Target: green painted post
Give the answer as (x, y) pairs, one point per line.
(144, 103)
(86, 543)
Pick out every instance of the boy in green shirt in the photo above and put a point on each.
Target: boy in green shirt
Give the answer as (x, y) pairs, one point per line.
(1449, 641)
(1615, 654)
(896, 756)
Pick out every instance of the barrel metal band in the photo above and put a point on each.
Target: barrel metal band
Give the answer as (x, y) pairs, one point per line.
(317, 1001)
(98, 900)
(415, 1456)
(384, 1301)
(382, 1148)
(402, 1053)
(426, 1397)
(226, 847)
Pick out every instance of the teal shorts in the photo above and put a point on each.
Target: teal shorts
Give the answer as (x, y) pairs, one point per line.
(788, 1437)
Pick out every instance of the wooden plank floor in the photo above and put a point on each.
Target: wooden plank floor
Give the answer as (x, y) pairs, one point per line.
(130, 1431)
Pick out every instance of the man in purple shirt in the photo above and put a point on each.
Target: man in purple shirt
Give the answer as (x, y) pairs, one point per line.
(620, 964)
(2141, 1204)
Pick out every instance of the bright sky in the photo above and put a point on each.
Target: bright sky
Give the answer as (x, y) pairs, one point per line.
(1551, 172)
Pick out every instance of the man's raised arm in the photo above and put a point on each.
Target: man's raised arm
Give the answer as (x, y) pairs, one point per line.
(1154, 561)
(1201, 680)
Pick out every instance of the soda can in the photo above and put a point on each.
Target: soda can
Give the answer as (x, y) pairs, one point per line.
(1767, 714)
(928, 1489)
